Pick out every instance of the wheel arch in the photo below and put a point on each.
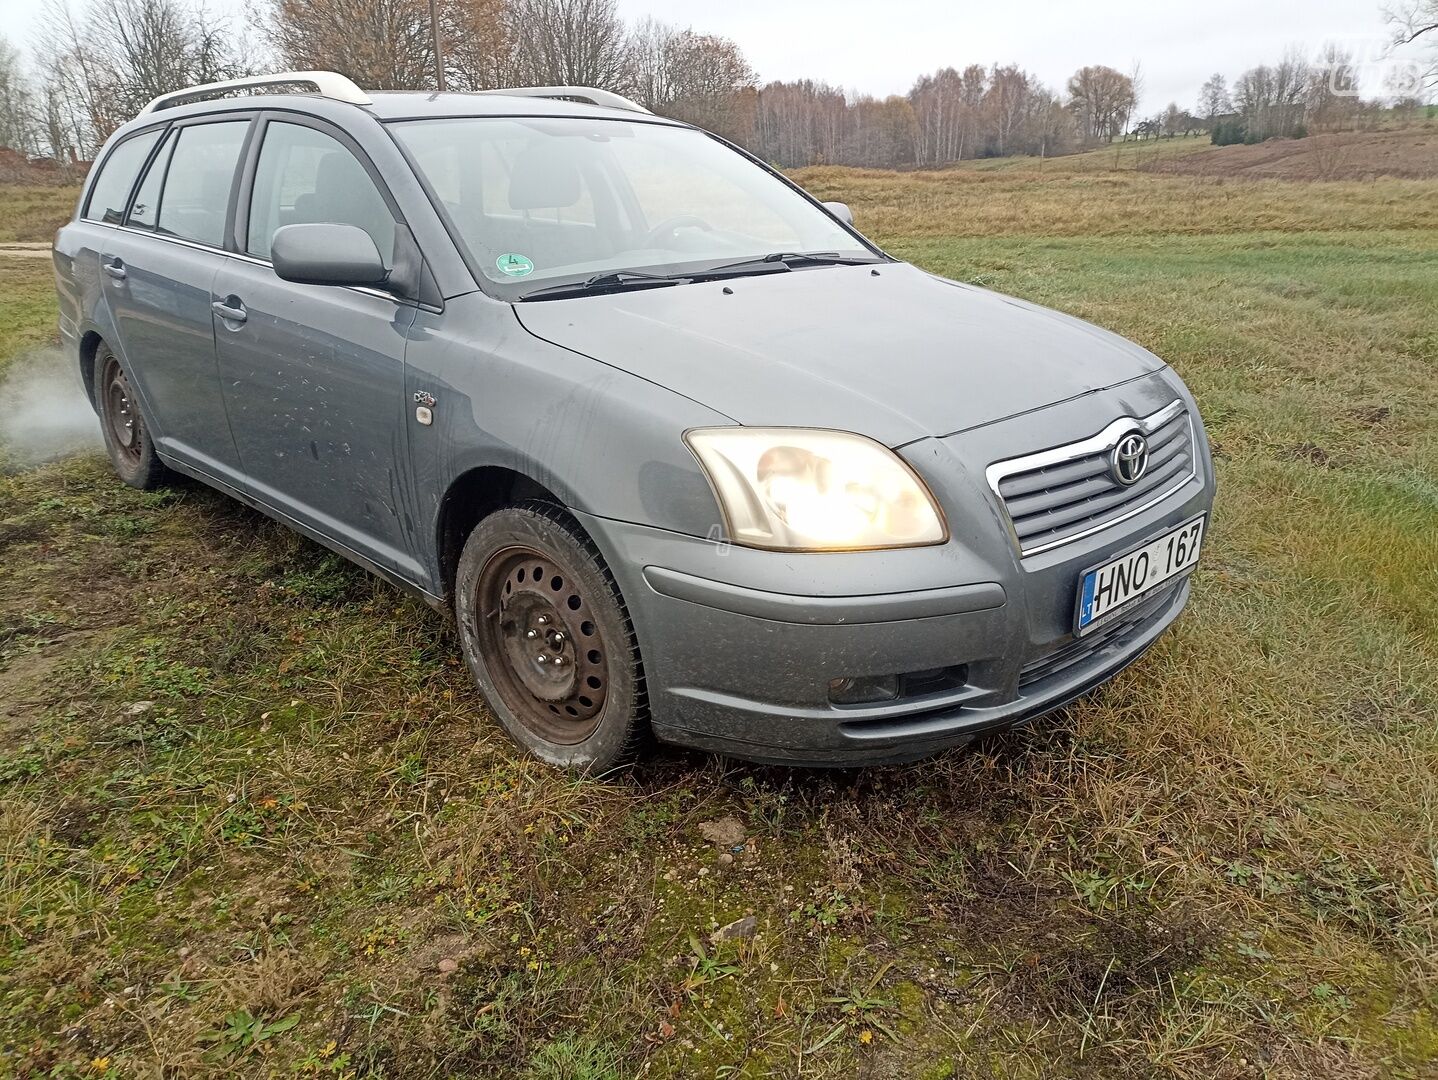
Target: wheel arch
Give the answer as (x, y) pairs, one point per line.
(470, 497)
(90, 343)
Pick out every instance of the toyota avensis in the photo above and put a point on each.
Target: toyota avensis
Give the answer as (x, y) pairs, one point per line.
(686, 454)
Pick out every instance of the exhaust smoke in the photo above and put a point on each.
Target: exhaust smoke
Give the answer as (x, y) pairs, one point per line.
(44, 412)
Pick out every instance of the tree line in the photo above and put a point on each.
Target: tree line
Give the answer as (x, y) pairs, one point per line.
(92, 69)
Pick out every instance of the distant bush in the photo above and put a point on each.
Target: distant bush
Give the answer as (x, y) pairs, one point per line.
(1228, 132)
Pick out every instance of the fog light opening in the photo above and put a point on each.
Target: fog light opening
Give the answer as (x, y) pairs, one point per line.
(863, 689)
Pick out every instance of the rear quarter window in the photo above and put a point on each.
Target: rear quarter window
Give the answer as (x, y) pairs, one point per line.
(111, 190)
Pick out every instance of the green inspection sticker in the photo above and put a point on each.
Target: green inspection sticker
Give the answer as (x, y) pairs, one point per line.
(514, 265)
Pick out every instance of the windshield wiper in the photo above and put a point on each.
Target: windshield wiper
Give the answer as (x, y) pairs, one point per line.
(614, 279)
(775, 259)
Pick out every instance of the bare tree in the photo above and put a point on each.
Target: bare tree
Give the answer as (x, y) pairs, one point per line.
(1416, 22)
(947, 111)
(1100, 99)
(1273, 99)
(1174, 120)
(1413, 19)
(700, 78)
(1331, 102)
(17, 119)
(105, 65)
(1006, 105)
(568, 43)
(477, 44)
(380, 44)
(1135, 76)
(389, 44)
(1213, 99)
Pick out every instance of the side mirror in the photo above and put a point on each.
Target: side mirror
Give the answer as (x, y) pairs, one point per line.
(327, 255)
(840, 211)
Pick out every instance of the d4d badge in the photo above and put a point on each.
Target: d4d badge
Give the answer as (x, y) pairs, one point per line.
(424, 406)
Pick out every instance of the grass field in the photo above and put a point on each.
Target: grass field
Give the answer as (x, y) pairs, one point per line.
(254, 821)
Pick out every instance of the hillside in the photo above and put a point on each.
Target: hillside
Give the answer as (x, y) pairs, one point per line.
(1411, 154)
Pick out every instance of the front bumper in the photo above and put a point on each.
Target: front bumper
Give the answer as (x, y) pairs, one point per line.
(740, 645)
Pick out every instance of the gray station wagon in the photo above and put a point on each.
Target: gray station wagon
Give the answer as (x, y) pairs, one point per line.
(685, 453)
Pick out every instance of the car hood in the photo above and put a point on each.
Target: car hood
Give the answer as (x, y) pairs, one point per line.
(896, 355)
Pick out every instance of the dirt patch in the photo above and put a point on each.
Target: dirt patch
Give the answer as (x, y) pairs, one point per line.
(17, 168)
(1311, 453)
(1364, 155)
(1371, 414)
(22, 687)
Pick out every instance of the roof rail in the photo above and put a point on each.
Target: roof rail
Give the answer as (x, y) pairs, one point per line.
(588, 94)
(326, 83)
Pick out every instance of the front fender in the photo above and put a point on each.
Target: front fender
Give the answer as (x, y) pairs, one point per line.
(605, 442)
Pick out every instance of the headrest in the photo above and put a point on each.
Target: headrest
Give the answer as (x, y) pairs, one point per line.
(545, 176)
(336, 172)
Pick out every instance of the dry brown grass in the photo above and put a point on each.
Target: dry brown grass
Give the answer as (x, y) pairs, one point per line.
(970, 203)
(31, 214)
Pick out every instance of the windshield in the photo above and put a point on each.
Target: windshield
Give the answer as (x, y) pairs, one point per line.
(546, 200)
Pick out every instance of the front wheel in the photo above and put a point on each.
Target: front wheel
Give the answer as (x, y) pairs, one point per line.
(127, 439)
(547, 638)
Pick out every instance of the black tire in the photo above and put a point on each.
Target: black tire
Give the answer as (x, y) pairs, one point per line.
(548, 640)
(127, 438)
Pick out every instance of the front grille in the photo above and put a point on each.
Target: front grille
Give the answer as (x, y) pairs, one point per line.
(1061, 494)
(1079, 650)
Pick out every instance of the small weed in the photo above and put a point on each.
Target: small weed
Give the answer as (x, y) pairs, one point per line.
(243, 1032)
(861, 1008)
(705, 968)
(20, 767)
(829, 909)
(573, 1058)
(1100, 889)
(1329, 996)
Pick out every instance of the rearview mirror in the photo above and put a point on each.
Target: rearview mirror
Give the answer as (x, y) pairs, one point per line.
(840, 211)
(327, 255)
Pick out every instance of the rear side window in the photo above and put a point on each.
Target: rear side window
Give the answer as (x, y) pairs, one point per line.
(117, 176)
(147, 199)
(305, 177)
(197, 183)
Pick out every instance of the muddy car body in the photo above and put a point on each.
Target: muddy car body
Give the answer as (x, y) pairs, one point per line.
(685, 452)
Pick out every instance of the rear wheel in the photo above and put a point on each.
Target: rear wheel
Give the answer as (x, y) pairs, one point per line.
(127, 439)
(546, 636)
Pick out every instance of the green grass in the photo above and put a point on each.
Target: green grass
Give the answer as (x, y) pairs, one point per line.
(254, 819)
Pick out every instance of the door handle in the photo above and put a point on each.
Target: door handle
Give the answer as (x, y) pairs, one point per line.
(230, 309)
(115, 269)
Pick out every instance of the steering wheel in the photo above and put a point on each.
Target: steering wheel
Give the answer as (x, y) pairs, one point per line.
(669, 226)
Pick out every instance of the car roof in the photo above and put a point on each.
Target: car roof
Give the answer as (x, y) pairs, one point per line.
(418, 104)
(390, 105)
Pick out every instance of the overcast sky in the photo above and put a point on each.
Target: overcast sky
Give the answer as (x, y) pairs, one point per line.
(879, 46)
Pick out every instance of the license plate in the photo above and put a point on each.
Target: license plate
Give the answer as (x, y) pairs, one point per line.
(1107, 588)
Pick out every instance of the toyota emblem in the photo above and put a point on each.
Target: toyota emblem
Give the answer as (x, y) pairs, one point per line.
(1129, 459)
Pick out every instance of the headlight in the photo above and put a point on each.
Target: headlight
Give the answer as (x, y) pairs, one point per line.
(795, 489)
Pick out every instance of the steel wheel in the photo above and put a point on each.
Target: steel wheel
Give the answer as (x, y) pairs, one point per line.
(127, 439)
(124, 422)
(535, 616)
(547, 638)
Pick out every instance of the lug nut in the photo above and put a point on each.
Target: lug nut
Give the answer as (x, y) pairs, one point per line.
(531, 634)
(543, 620)
(558, 661)
(558, 637)
(541, 658)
